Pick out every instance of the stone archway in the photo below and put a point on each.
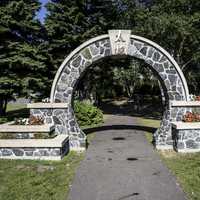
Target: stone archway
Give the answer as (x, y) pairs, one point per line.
(116, 43)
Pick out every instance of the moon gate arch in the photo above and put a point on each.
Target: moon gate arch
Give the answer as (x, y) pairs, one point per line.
(116, 43)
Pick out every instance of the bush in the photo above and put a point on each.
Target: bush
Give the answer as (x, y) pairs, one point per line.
(87, 114)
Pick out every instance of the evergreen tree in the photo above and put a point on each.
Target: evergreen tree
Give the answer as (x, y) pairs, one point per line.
(70, 23)
(21, 64)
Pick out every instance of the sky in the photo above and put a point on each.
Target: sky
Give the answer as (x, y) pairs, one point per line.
(42, 12)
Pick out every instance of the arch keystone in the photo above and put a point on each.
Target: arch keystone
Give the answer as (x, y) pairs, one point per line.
(120, 41)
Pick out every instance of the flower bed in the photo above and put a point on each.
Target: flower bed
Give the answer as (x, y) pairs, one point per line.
(32, 120)
(197, 98)
(191, 117)
(27, 128)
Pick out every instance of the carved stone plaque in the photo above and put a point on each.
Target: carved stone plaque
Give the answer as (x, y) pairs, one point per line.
(119, 40)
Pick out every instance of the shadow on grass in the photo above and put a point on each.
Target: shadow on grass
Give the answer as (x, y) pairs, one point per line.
(11, 115)
(146, 110)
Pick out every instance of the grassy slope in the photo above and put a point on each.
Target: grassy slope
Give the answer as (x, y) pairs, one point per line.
(186, 167)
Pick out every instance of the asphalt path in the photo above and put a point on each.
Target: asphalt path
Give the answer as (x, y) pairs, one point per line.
(120, 164)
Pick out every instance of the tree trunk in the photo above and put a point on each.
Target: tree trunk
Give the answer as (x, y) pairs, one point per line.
(97, 99)
(128, 91)
(3, 106)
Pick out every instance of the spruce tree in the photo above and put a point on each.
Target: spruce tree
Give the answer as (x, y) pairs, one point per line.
(70, 23)
(21, 64)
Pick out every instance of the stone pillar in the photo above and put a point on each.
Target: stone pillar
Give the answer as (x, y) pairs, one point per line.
(64, 120)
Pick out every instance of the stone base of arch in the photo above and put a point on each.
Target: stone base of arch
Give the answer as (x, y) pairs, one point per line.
(65, 123)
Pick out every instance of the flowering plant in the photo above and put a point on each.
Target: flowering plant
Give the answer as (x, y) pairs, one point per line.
(32, 120)
(191, 117)
(35, 120)
(21, 121)
(197, 98)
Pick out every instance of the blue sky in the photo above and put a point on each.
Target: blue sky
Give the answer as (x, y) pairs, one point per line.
(43, 11)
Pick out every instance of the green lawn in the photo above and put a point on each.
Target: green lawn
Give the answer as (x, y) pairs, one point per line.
(186, 167)
(15, 107)
(37, 180)
(149, 123)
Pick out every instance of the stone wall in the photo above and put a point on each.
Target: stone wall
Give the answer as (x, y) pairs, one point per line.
(65, 123)
(51, 153)
(177, 113)
(186, 140)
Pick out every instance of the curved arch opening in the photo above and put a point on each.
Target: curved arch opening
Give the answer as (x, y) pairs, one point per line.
(115, 100)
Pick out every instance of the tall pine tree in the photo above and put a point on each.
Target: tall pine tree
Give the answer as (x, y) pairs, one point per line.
(21, 64)
(70, 23)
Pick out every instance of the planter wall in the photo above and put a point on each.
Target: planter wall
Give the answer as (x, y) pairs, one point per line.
(60, 115)
(186, 136)
(42, 149)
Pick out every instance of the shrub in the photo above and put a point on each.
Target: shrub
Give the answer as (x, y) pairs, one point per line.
(87, 114)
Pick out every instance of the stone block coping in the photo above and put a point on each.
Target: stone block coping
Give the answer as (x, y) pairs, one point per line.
(9, 128)
(56, 142)
(164, 147)
(188, 150)
(185, 103)
(46, 105)
(186, 125)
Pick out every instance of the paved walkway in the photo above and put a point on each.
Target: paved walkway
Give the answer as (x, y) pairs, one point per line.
(121, 165)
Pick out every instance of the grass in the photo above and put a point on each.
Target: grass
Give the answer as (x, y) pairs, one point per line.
(14, 111)
(149, 123)
(186, 167)
(37, 180)
(15, 107)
